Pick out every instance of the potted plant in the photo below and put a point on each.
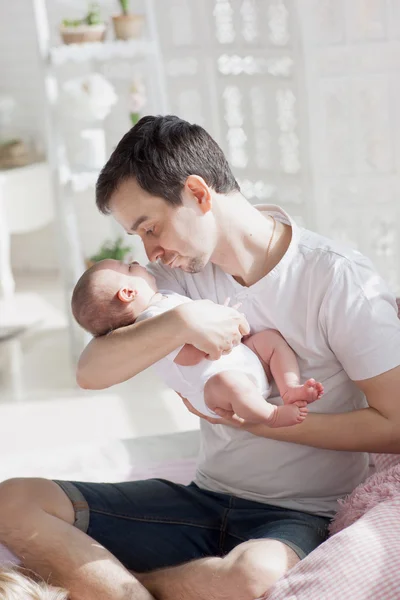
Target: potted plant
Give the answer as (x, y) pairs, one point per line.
(116, 250)
(89, 29)
(127, 25)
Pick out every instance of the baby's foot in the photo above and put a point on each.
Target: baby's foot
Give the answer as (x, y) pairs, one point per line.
(289, 414)
(309, 392)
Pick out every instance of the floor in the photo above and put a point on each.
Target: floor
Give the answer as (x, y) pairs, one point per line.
(55, 429)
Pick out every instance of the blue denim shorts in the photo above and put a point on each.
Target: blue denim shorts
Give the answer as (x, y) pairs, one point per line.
(154, 523)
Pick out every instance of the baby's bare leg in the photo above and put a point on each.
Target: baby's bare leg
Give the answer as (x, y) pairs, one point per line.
(278, 357)
(237, 393)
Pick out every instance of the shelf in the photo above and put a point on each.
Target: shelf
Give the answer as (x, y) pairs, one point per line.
(78, 179)
(29, 310)
(83, 180)
(99, 51)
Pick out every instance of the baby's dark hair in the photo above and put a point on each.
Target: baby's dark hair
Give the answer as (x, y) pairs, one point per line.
(96, 308)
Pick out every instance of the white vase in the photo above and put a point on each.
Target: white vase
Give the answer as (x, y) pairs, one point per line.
(86, 147)
(93, 147)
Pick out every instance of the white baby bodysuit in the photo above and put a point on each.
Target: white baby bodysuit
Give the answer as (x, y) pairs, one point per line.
(190, 381)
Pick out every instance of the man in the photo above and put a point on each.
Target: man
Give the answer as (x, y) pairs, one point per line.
(259, 504)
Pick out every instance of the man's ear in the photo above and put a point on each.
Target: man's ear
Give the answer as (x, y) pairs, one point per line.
(197, 188)
(126, 294)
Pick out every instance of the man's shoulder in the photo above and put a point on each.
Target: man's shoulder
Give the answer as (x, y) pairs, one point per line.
(326, 253)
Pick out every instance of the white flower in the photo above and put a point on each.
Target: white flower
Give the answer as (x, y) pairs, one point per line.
(88, 98)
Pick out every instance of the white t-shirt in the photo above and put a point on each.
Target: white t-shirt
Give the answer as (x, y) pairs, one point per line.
(341, 320)
(190, 381)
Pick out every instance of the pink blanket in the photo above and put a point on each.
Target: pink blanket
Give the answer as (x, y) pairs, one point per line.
(362, 562)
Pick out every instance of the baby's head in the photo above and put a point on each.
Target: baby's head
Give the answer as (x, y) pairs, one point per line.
(111, 294)
(16, 584)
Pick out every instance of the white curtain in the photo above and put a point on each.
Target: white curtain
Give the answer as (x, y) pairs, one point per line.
(304, 96)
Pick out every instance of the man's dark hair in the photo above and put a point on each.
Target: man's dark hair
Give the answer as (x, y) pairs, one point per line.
(160, 153)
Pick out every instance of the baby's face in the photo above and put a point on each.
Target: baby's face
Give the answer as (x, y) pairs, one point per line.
(130, 281)
(119, 271)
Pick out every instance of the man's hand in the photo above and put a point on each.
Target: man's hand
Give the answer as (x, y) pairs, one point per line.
(373, 429)
(212, 328)
(227, 417)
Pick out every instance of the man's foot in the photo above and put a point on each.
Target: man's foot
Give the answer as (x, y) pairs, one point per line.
(289, 414)
(310, 391)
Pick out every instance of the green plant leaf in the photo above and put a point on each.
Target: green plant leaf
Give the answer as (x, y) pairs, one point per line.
(124, 6)
(112, 249)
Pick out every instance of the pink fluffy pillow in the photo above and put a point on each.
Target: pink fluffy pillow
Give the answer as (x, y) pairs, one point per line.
(382, 485)
(361, 562)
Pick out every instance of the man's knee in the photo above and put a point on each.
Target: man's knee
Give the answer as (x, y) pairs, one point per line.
(21, 497)
(254, 566)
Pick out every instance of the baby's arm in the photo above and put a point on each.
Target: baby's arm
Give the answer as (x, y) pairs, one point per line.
(189, 356)
(277, 357)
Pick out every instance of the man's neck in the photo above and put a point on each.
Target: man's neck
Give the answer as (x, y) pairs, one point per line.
(244, 236)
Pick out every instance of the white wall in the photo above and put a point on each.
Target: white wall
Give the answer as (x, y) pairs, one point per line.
(303, 95)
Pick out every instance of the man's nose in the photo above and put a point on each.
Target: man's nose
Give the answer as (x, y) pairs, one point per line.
(154, 253)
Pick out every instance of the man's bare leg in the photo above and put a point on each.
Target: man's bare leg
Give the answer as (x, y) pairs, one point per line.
(36, 523)
(246, 573)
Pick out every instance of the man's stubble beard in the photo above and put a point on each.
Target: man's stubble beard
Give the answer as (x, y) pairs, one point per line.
(196, 265)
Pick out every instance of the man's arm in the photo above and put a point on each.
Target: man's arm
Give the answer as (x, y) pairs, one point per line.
(125, 352)
(373, 429)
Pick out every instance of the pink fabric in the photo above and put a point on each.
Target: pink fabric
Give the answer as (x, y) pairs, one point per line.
(362, 562)
(6, 557)
(384, 461)
(380, 487)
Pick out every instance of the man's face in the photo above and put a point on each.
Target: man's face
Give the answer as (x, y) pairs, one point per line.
(180, 236)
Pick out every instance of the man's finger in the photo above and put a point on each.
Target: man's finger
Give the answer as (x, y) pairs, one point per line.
(227, 300)
(214, 355)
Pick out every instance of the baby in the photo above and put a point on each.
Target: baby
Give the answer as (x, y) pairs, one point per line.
(112, 294)
(15, 584)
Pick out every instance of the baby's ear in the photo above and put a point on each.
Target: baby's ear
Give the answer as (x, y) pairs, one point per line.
(126, 294)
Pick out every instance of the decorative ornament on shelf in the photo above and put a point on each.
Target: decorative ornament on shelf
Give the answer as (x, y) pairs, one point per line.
(137, 99)
(90, 28)
(84, 102)
(127, 25)
(88, 98)
(116, 250)
(17, 147)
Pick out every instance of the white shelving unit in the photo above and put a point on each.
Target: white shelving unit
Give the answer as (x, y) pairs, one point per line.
(66, 180)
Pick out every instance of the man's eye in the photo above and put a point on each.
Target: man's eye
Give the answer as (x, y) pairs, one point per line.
(150, 231)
